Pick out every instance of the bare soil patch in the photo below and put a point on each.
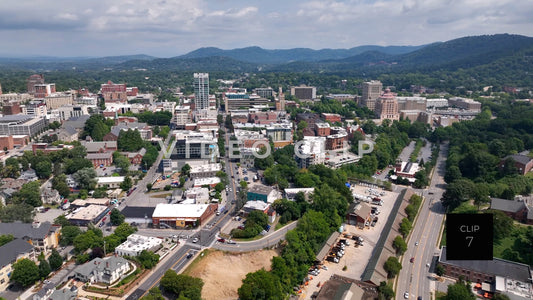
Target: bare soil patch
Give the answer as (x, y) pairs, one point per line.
(223, 272)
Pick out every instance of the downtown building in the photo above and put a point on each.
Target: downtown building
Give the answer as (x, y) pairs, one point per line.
(201, 91)
(371, 92)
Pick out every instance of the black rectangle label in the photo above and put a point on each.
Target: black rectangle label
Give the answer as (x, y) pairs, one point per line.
(469, 237)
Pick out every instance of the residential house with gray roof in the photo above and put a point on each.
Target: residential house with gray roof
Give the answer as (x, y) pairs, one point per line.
(103, 270)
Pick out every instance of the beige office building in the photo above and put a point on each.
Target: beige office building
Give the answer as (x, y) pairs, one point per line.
(371, 92)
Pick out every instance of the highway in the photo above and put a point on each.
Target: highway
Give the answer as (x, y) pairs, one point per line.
(415, 277)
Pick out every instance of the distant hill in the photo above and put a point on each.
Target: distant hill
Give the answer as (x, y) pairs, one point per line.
(66, 63)
(278, 56)
(206, 64)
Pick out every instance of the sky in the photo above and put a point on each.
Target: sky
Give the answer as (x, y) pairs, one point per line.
(167, 28)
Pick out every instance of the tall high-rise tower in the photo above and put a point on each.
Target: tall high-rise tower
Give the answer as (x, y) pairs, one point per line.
(371, 92)
(201, 90)
(280, 103)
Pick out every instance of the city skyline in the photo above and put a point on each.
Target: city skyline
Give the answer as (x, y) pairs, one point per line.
(172, 28)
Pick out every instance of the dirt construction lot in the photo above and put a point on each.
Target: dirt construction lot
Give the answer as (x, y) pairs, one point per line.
(223, 272)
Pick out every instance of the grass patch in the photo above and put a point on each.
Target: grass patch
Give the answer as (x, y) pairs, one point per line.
(164, 195)
(443, 239)
(278, 226)
(501, 245)
(440, 295)
(199, 257)
(254, 238)
(414, 155)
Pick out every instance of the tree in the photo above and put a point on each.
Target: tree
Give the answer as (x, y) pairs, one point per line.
(124, 230)
(62, 220)
(385, 290)
(153, 294)
(182, 285)
(148, 259)
(68, 234)
(126, 184)
(502, 224)
(87, 240)
(260, 285)
(400, 245)
(55, 260)
(392, 266)
(460, 291)
(29, 193)
(186, 169)
(6, 238)
(43, 169)
(59, 183)
(121, 162)
(86, 178)
(25, 272)
(130, 140)
(116, 217)
(405, 227)
(44, 268)
(440, 270)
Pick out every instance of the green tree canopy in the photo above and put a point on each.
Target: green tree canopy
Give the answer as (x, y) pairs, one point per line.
(25, 272)
(260, 285)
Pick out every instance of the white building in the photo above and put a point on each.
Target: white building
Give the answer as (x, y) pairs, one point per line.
(111, 182)
(342, 159)
(136, 243)
(197, 195)
(437, 103)
(210, 181)
(291, 193)
(313, 151)
(208, 170)
(102, 270)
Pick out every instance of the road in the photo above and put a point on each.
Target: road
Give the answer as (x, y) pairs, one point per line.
(267, 241)
(415, 278)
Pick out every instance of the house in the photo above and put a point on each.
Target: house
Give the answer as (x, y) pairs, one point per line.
(102, 270)
(262, 193)
(67, 134)
(50, 196)
(49, 292)
(11, 252)
(143, 128)
(100, 147)
(29, 175)
(522, 163)
(135, 157)
(43, 236)
(519, 209)
(359, 214)
(100, 159)
(138, 214)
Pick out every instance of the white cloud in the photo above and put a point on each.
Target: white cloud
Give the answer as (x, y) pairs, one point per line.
(177, 26)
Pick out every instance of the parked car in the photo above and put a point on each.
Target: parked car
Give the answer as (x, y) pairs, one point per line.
(231, 242)
(221, 240)
(195, 240)
(189, 255)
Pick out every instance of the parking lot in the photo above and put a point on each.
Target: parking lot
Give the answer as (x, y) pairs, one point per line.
(355, 257)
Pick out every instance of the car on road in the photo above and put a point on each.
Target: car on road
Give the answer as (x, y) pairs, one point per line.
(195, 240)
(230, 242)
(221, 240)
(416, 244)
(412, 260)
(406, 295)
(428, 264)
(189, 255)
